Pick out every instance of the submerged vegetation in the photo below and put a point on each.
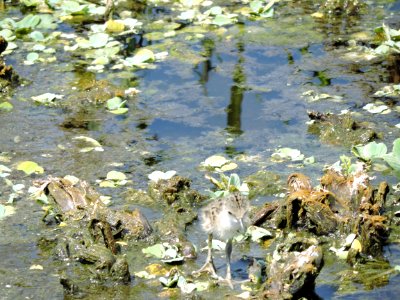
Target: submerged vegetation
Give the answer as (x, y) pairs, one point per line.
(160, 106)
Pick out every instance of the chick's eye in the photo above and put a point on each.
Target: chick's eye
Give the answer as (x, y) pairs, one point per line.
(230, 213)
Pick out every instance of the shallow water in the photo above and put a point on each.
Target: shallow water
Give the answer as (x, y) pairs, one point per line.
(241, 97)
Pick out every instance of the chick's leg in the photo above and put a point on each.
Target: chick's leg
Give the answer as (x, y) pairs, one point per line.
(209, 264)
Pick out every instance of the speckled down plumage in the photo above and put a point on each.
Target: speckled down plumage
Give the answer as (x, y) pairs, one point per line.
(226, 217)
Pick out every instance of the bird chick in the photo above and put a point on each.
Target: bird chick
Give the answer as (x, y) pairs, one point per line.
(224, 218)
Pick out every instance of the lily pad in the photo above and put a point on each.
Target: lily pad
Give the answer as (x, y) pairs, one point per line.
(30, 167)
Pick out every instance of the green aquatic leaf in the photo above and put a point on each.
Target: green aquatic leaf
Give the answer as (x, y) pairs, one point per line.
(119, 111)
(258, 233)
(392, 160)
(215, 10)
(46, 98)
(7, 34)
(256, 6)
(115, 175)
(98, 40)
(222, 20)
(74, 8)
(115, 103)
(30, 3)
(142, 56)
(370, 151)
(234, 180)
(396, 147)
(30, 167)
(6, 210)
(28, 23)
(157, 250)
(32, 57)
(6, 106)
(37, 36)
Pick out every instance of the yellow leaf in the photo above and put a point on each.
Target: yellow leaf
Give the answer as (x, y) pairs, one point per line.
(356, 245)
(114, 26)
(30, 167)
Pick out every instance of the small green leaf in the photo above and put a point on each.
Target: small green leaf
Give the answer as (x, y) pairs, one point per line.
(156, 250)
(115, 103)
(115, 175)
(216, 10)
(257, 233)
(392, 161)
(142, 56)
(215, 161)
(37, 36)
(46, 98)
(222, 20)
(6, 106)
(29, 22)
(6, 210)
(32, 57)
(396, 148)
(30, 167)
(234, 180)
(98, 40)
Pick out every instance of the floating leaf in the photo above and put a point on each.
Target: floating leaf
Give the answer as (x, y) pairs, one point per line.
(119, 111)
(115, 175)
(144, 275)
(222, 20)
(36, 267)
(215, 161)
(377, 109)
(30, 167)
(93, 144)
(28, 22)
(98, 40)
(6, 106)
(234, 180)
(287, 154)
(115, 26)
(187, 15)
(356, 245)
(156, 250)
(215, 10)
(32, 57)
(141, 57)
(370, 151)
(36, 36)
(74, 8)
(159, 175)
(47, 98)
(6, 210)
(115, 103)
(257, 233)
